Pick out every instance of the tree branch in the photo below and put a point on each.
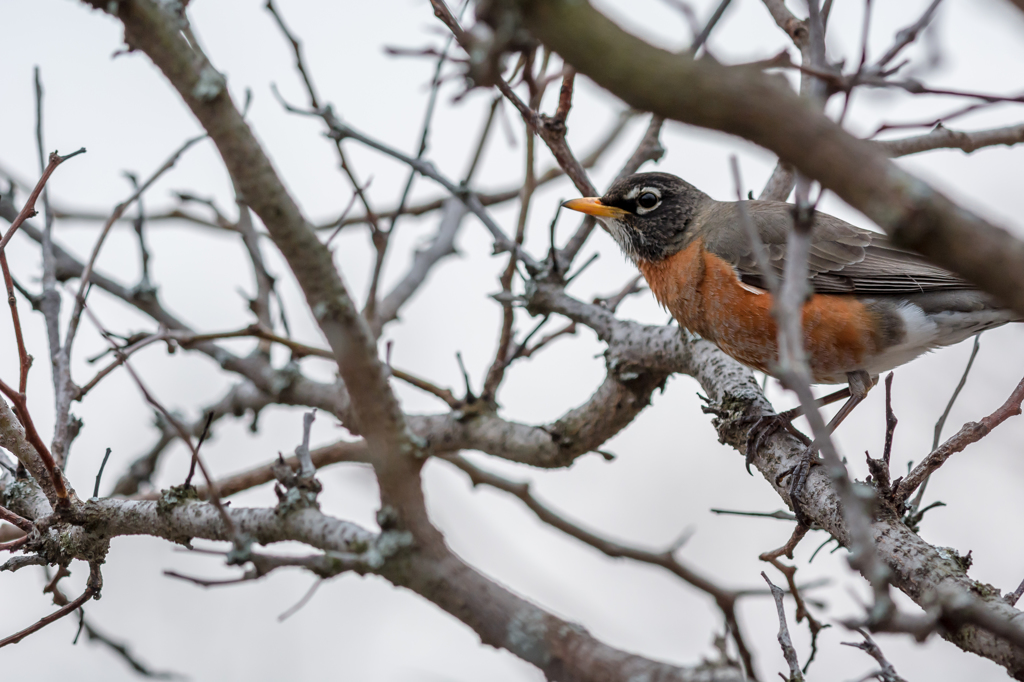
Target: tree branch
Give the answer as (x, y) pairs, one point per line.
(971, 432)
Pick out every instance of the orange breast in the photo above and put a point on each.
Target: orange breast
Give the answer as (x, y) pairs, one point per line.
(706, 297)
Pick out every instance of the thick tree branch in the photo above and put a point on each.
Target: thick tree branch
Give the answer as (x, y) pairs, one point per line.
(929, 576)
(561, 649)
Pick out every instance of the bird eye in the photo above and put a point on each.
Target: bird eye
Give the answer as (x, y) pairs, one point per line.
(647, 200)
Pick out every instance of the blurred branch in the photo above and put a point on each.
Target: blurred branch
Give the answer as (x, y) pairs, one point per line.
(442, 245)
(121, 649)
(795, 674)
(944, 138)
(886, 672)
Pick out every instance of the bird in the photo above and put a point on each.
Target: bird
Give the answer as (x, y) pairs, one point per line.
(872, 306)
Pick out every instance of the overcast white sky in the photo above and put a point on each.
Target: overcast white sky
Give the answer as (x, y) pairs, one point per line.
(670, 468)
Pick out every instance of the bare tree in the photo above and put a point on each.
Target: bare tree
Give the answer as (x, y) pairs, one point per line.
(531, 57)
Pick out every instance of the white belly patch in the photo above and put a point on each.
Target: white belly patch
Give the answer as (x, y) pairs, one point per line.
(925, 332)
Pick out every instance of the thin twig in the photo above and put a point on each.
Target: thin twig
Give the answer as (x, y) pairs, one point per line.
(795, 674)
(314, 102)
(971, 432)
(195, 455)
(292, 610)
(344, 214)
(119, 210)
(92, 589)
(890, 420)
(15, 520)
(941, 422)
(907, 35)
(424, 385)
(496, 373)
(712, 22)
(887, 673)
(99, 474)
(1013, 597)
(121, 649)
(24, 359)
(119, 360)
(781, 514)
(29, 209)
(306, 468)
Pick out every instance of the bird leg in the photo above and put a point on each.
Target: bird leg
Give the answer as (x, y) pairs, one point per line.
(820, 402)
(767, 425)
(860, 382)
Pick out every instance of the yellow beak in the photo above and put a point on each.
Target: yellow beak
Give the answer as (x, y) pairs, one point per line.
(593, 206)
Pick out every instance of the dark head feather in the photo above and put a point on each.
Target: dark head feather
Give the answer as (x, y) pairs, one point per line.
(655, 230)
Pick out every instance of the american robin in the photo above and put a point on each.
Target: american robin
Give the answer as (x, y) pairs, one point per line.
(874, 306)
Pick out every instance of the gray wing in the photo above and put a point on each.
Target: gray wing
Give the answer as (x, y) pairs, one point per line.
(843, 259)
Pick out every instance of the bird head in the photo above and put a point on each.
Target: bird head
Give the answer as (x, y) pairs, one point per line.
(648, 214)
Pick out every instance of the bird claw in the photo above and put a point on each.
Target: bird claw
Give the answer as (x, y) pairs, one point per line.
(798, 482)
(763, 428)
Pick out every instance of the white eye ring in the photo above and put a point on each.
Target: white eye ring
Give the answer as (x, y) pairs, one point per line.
(641, 209)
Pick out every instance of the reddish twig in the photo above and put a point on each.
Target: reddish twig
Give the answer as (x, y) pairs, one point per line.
(24, 359)
(565, 96)
(32, 436)
(15, 520)
(443, 393)
(29, 209)
(971, 432)
(14, 544)
(567, 330)
(92, 589)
